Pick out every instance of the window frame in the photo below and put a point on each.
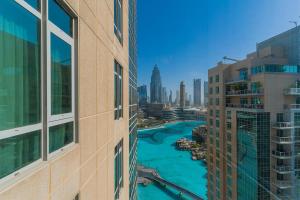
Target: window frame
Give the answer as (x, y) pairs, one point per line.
(118, 91)
(23, 130)
(118, 30)
(60, 119)
(45, 66)
(120, 184)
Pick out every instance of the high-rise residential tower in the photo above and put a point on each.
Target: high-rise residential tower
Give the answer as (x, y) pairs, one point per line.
(205, 92)
(254, 123)
(133, 103)
(142, 95)
(68, 100)
(155, 86)
(197, 92)
(182, 95)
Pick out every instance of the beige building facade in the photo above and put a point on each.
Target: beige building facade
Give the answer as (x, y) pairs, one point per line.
(253, 124)
(83, 145)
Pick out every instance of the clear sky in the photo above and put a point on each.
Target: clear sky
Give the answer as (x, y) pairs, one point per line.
(186, 37)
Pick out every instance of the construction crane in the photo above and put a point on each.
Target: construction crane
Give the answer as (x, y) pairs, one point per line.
(231, 59)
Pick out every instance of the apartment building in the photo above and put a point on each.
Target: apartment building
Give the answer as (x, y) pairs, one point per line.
(68, 99)
(253, 123)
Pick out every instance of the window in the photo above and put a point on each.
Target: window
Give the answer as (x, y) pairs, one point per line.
(60, 17)
(118, 19)
(210, 90)
(217, 90)
(21, 126)
(297, 118)
(228, 115)
(217, 113)
(211, 102)
(211, 79)
(118, 169)
(60, 78)
(217, 78)
(217, 123)
(228, 125)
(211, 112)
(217, 101)
(118, 74)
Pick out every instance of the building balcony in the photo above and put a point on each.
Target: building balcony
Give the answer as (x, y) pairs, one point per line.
(247, 106)
(285, 169)
(245, 92)
(283, 184)
(292, 91)
(283, 196)
(282, 154)
(283, 125)
(292, 106)
(237, 80)
(285, 139)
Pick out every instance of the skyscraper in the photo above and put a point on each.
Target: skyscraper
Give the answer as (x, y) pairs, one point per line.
(155, 86)
(170, 98)
(142, 95)
(164, 96)
(182, 95)
(205, 88)
(177, 99)
(253, 123)
(197, 92)
(79, 142)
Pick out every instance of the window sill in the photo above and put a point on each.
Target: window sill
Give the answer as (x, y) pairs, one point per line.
(16, 177)
(62, 151)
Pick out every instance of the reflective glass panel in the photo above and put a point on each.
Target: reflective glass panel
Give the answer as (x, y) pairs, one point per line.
(18, 151)
(61, 76)
(60, 17)
(60, 136)
(20, 91)
(34, 3)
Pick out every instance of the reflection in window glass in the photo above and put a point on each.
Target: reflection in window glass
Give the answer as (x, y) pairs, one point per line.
(20, 92)
(18, 151)
(34, 3)
(60, 17)
(60, 136)
(61, 76)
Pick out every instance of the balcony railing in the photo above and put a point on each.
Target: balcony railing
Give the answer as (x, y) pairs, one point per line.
(292, 91)
(282, 154)
(283, 183)
(284, 197)
(244, 92)
(286, 168)
(292, 106)
(283, 125)
(248, 106)
(237, 79)
(285, 139)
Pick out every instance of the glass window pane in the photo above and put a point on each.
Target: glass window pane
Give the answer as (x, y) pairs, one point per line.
(34, 3)
(18, 151)
(60, 17)
(61, 76)
(60, 136)
(20, 92)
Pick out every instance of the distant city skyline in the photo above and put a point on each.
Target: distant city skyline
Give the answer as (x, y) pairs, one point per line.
(187, 53)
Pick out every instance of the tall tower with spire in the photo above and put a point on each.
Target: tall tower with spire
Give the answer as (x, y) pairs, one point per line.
(155, 86)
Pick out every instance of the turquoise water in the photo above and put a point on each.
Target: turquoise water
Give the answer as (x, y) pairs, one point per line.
(156, 150)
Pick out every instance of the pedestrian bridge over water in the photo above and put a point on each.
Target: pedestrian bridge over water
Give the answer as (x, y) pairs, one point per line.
(152, 175)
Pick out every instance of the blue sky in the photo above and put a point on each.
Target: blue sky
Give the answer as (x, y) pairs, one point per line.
(186, 37)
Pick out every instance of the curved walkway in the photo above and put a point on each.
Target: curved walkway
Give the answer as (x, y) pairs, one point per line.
(154, 176)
